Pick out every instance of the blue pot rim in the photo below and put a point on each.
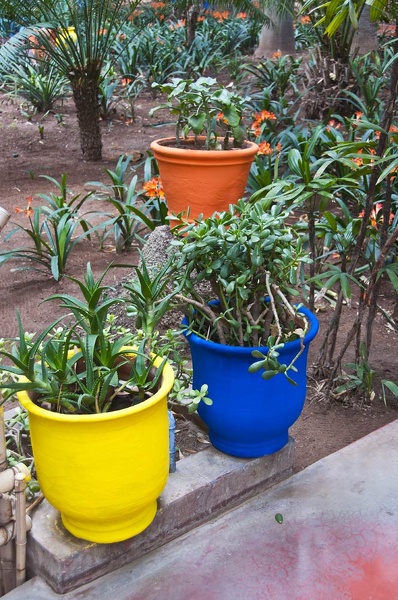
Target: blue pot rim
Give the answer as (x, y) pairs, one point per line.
(217, 347)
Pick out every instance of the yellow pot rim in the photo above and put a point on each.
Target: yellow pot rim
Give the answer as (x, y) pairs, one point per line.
(167, 381)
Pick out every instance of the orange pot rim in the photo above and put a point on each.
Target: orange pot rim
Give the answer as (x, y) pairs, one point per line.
(161, 146)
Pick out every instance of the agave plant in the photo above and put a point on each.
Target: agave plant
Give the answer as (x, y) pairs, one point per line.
(76, 37)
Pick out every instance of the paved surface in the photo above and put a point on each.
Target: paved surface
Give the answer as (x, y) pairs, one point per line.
(338, 541)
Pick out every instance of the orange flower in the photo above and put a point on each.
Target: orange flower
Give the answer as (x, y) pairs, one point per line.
(392, 129)
(153, 188)
(333, 123)
(28, 210)
(220, 117)
(277, 55)
(135, 14)
(220, 16)
(126, 81)
(264, 115)
(374, 215)
(241, 15)
(358, 161)
(306, 20)
(200, 19)
(265, 148)
(393, 138)
(358, 115)
(180, 23)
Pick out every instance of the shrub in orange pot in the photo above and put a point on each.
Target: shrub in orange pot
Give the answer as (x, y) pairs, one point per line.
(205, 167)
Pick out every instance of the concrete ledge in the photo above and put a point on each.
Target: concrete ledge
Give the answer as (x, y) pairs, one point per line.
(205, 485)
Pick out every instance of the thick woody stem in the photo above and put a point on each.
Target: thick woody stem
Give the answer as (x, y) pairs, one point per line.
(208, 311)
(273, 307)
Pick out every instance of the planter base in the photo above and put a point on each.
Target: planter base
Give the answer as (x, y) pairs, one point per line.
(248, 450)
(109, 531)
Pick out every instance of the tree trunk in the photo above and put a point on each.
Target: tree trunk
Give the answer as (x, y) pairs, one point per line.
(365, 38)
(277, 37)
(85, 96)
(191, 23)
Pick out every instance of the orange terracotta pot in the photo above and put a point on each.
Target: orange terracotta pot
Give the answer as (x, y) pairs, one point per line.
(202, 181)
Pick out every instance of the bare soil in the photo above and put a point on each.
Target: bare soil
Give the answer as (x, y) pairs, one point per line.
(24, 156)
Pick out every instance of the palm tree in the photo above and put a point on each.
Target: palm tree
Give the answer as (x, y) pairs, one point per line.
(190, 11)
(76, 37)
(278, 32)
(365, 38)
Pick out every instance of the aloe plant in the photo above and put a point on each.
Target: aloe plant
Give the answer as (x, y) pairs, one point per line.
(81, 369)
(53, 237)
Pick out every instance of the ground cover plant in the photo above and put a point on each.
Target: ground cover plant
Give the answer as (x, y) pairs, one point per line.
(336, 172)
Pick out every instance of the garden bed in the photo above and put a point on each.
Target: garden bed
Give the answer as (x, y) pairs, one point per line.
(322, 429)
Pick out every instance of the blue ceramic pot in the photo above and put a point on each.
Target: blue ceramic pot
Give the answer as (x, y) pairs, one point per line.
(250, 416)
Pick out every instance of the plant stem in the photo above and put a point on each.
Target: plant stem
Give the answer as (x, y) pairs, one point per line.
(208, 311)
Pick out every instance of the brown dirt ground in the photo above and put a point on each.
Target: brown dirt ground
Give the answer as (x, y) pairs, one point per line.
(321, 430)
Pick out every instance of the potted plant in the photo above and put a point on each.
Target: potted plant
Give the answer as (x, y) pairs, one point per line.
(206, 166)
(98, 417)
(238, 271)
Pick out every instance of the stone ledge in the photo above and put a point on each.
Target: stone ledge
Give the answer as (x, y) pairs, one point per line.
(204, 485)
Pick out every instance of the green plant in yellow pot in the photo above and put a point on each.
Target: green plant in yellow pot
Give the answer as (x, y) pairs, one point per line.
(98, 418)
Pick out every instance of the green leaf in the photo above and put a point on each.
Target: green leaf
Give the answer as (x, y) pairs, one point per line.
(197, 123)
(279, 518)
(392, 272)
(393, 387)
(256, 366)
(295, 161)
(269, 374)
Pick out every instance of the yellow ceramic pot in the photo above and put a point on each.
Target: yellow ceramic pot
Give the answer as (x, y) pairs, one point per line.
(103, 472)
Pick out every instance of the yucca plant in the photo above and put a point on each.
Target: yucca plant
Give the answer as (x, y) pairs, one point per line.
(77, 38)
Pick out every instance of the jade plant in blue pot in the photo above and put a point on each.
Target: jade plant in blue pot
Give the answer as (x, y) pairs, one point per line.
(249, 339)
